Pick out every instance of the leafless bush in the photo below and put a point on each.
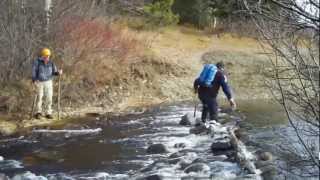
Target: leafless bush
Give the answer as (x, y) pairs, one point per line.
(290, 35)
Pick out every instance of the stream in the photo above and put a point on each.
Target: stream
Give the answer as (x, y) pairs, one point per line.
(119, 150)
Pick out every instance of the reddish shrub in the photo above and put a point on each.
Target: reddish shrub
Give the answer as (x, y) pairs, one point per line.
(92, 47)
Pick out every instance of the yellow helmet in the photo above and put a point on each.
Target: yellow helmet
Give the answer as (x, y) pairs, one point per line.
(45, 52)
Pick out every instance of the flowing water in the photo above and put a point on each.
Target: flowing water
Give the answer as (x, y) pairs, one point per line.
(119, 151)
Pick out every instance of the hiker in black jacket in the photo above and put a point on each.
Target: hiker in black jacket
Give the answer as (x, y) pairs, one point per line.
(208, 95)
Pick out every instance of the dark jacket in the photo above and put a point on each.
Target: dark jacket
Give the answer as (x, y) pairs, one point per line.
(212, 92)
(42, 71)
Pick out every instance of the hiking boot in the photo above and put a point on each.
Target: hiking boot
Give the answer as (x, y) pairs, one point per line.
(49, 116)
(38, 116)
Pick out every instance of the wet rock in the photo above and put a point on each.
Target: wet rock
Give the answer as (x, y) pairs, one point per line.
(200, 129)
(28, 176)
(154, 166)
(176, 155)
(265, 156)
(180, 145)
(199, 160)
(153, 177)
(269, 172)
(183, 164)
(260, 164)
(197, 167)
(4, 177)
(221, 145)
(174, 160)
(187, 120)
(157, 149)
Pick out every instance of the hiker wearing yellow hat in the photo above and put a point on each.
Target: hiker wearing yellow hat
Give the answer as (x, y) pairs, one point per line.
(43, 70)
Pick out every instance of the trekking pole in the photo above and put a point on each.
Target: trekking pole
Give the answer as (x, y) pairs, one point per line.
(195, 105)
(34, 102)
(59, 96)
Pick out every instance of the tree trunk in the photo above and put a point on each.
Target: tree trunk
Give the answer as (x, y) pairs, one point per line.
(47, 10)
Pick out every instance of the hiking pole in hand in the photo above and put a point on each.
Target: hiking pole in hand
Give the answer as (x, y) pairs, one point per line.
(59, 96)
(195, 105)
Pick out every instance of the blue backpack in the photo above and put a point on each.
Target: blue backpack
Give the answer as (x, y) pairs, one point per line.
(207, 75)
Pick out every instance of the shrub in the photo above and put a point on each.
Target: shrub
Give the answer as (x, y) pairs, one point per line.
(159, 13)
(94, 54)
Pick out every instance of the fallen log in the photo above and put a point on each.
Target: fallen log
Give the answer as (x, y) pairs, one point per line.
(243, 157)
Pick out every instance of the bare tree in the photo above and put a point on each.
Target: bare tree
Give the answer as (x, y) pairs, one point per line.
(290, 35)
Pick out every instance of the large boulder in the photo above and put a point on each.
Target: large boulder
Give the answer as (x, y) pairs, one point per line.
(187, 120)
(197, 167)
(157, 149)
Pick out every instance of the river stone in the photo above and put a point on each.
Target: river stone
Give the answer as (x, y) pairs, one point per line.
(174, 160)
(156, 149)
(200, 129)
(183, 164)
(197, 167)
(155, 165)
(269, 172)
(221, 145)
(153, 177)
(260, 164)
(199, 160)
(186, 120)
(180, 145)
(265, 156)
(176, 155)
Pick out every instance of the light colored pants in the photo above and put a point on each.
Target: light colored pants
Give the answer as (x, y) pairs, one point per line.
(45, 90)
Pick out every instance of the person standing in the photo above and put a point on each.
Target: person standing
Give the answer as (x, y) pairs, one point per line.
(43, 71)
(208, 94)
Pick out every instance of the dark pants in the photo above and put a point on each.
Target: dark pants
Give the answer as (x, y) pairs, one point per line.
(210, 106)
